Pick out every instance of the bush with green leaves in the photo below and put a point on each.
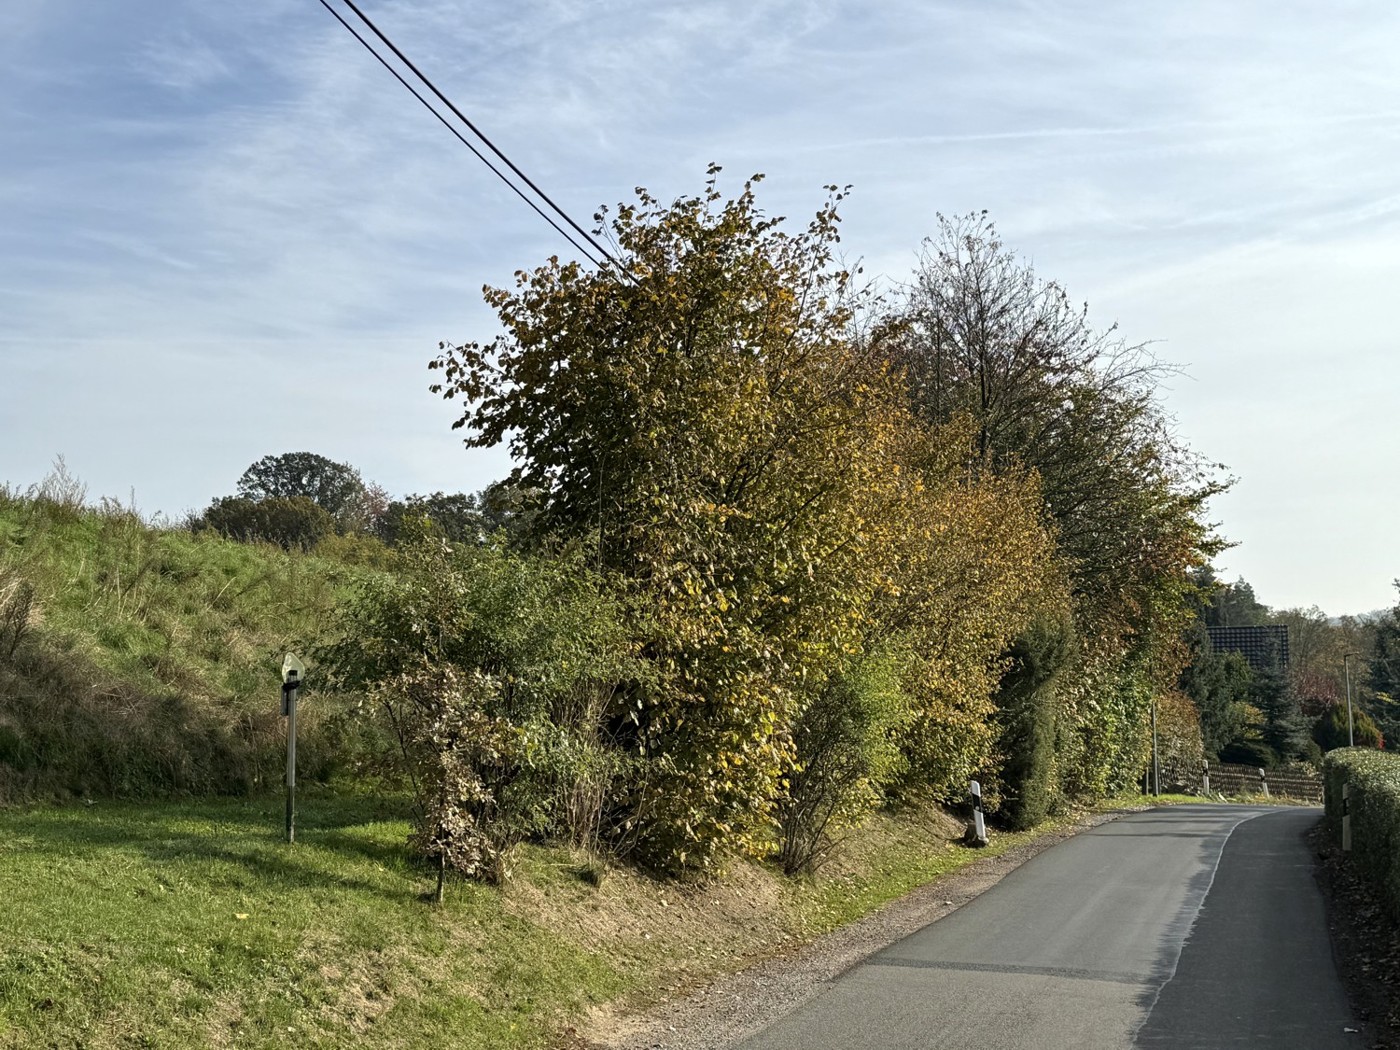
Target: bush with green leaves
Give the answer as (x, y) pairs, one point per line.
(291, 522)
(498, 674)
(1330, 731)
(1105, 731)
(847, 751)
(1374, 804)
(1180, 750)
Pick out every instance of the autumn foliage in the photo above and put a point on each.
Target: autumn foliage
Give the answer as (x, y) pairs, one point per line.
(824, 577)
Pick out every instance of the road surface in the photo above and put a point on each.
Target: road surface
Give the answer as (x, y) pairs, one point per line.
(1181, 928)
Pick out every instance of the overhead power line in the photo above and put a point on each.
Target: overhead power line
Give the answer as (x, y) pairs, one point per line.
(457, 134)
(460, 137)
(595, 246)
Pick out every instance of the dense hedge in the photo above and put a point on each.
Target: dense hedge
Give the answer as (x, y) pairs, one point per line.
(1374, 777)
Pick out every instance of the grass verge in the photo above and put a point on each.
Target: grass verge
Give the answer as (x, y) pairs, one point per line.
(194, 924)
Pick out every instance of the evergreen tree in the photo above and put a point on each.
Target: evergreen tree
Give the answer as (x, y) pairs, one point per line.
(1026, 713)
(1234, 605)
(1286, 731)
(1221, 685)
(1383, 674)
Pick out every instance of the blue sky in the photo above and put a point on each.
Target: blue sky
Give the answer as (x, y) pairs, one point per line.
(227, 232)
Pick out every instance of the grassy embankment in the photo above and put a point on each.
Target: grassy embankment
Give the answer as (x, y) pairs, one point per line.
(150, 659)
(149, 670)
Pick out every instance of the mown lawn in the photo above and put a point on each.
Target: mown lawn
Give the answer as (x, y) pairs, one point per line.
(194, 924)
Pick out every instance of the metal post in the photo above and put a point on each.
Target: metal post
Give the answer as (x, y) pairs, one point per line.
(1351, 731)
(289, 697)
(1156, 768)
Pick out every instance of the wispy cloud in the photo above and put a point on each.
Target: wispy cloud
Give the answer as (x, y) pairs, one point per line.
(183, 62)
(199, 192)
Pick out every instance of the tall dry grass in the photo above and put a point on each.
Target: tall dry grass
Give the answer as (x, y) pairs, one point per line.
(139, 659)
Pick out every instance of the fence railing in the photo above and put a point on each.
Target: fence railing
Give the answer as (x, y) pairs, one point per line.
(1229, 779)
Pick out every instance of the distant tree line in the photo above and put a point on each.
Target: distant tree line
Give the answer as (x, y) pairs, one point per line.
(297, 500)
(1269, 717)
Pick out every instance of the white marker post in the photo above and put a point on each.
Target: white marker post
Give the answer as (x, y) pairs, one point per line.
(979, 824)
(1346, 817)
(1205, 776)
(292, 672)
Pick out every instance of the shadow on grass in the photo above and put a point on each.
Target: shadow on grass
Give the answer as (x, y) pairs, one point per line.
(240, 833)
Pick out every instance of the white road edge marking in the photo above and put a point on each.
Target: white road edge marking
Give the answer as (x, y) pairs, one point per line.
(1181, 947)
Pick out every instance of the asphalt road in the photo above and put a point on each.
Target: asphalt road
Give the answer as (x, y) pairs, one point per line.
(1185, 927)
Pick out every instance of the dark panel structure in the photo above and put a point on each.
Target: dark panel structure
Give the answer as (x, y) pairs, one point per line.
(1264, 648)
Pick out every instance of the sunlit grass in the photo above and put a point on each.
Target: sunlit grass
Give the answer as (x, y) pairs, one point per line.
(195, 924)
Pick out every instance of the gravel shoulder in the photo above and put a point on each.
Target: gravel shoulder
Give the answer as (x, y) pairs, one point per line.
(723, 1012)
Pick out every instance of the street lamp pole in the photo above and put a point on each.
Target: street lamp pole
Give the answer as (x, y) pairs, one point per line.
(1156, 765)
(1351, 729)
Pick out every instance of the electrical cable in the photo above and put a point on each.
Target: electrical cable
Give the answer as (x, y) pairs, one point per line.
(461, 138)
(479, 134)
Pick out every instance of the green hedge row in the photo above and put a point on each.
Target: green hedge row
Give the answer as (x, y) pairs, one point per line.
(1374, 777)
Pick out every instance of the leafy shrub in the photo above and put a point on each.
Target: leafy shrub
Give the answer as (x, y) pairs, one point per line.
(951, 738)
(466, 761)
(291, 522)
(496, 673)
(1106, 736)
(847, 750)
(1374, 779)
(1180, 749)
(1330, 731)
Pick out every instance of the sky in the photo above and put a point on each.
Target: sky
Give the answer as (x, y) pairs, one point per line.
(226, 232)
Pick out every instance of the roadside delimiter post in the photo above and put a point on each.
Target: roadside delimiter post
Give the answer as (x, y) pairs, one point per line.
(979, 824)
(292, 671)
(1346, 817)
(1205, 776)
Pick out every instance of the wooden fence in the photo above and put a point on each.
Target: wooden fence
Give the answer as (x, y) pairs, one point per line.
(1299, 783)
